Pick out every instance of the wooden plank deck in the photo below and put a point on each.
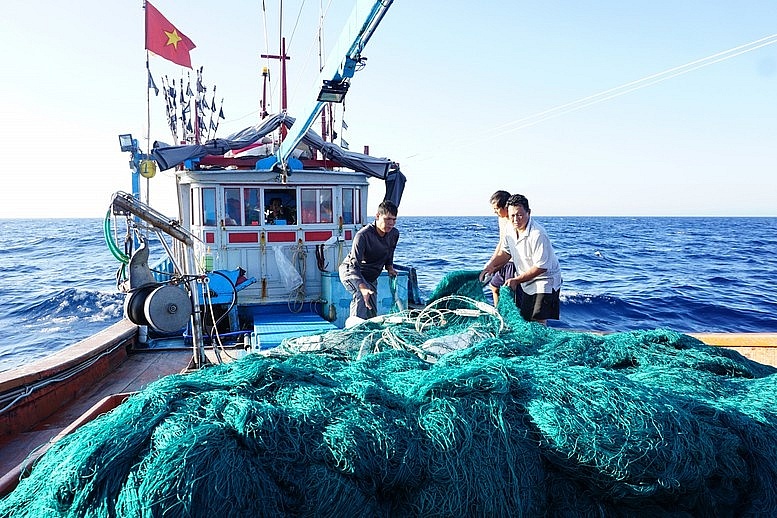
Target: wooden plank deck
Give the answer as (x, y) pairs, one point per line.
(760, 347)
(136, 372)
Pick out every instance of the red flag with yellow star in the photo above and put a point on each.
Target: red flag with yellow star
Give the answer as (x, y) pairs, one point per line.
(163, 39)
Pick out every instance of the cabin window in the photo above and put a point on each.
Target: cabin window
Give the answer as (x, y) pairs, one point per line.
(194, 207)
(280, 206)
(316, 205)
(325, 211)
(209, 206)
(233, 213)
(351, 206)
(253, 206)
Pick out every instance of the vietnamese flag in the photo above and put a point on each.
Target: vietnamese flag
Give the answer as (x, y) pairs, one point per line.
(163, 39)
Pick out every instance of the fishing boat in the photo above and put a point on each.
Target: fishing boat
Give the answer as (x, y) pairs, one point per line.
(265, 216)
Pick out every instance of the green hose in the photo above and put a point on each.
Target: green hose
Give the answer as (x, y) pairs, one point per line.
(112, 246)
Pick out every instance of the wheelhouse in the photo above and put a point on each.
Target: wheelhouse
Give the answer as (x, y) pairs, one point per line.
(240, 217)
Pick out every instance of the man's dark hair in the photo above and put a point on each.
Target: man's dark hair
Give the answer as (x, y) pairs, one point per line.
(387, 207)
(519, 199)
(499, 198)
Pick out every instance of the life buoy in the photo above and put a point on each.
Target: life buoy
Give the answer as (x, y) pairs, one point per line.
(147, 168)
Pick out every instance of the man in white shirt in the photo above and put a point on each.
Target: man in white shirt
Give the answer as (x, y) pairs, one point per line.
(537, 269)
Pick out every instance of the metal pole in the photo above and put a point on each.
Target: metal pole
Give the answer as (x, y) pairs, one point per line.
(198, 346)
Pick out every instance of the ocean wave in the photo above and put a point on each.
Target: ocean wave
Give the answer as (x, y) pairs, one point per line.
(38, 328)
(723, 281)
(28, 245)
(687, 314)
(72, 303)
(20, 270)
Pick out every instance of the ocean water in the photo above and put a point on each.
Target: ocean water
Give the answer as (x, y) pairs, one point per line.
(57, 277)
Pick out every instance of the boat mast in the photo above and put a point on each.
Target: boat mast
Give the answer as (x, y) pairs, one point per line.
(283, 57)
(334, 79)
(324, 132)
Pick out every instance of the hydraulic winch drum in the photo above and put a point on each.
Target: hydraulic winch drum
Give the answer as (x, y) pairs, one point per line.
(164, 308)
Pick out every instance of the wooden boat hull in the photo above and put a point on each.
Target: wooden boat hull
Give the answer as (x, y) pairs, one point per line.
(49, 396)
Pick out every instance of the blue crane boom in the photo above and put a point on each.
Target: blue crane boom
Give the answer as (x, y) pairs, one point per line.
(338, 70)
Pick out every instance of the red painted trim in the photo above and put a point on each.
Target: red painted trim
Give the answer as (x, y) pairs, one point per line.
(318, 235)
(348, 235)
(281, 237)
(243, 237)
(320, 164)
(210, 237)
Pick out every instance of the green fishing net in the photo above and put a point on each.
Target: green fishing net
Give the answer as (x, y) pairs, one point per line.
(457, 409)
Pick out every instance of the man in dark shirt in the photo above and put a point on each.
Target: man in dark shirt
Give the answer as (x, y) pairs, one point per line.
(372, 249)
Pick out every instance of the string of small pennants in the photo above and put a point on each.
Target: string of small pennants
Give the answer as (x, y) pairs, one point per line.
(189, 126)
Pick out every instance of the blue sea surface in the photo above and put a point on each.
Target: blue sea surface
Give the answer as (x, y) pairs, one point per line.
(625, 273)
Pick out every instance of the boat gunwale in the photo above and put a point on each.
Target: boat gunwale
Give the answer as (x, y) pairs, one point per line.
(9, 480)
(69, 357)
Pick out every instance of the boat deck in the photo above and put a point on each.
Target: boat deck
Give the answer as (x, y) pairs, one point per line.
(137, 371)
(760, 347)
(272, 328)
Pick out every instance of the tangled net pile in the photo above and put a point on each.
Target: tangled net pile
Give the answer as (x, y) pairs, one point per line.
(454, 411)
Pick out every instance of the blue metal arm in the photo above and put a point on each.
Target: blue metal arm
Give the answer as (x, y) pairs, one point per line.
(340, 66)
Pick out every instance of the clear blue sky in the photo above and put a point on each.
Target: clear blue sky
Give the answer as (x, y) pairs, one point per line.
(469, 97)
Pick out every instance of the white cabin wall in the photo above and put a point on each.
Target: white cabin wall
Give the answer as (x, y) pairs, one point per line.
(366, 217)
(252, 246)
(161, 192)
